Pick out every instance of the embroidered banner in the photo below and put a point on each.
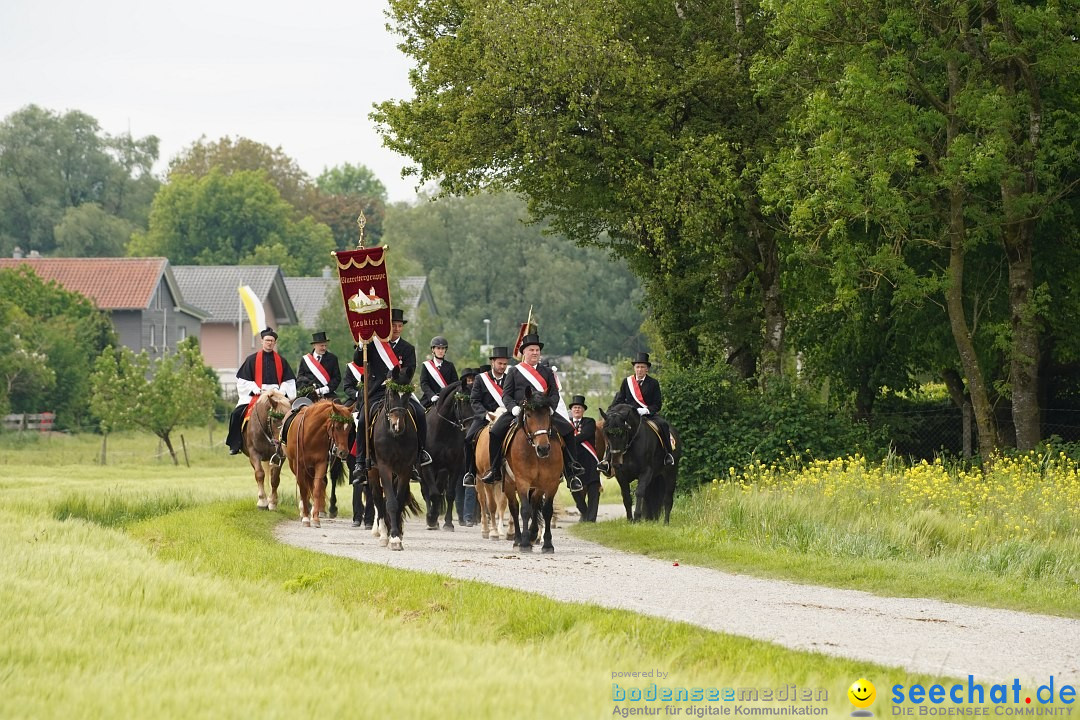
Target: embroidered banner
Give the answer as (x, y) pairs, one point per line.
(366, 292)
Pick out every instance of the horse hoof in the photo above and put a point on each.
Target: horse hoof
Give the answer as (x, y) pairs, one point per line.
(306, 522)
(432, 527)
(383, 542)
(271, 506)
(448, 527)
(485, 534)
(548, 550)
(261, 503)
(395, 544)
(322, 513)
(333, 514)
(524, 548)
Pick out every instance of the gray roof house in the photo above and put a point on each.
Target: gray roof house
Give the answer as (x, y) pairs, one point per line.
(310, 295)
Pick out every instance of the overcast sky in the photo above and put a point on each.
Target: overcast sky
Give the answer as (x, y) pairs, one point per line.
(300, 75)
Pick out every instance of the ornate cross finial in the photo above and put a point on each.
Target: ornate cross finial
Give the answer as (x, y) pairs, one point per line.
(361, 221)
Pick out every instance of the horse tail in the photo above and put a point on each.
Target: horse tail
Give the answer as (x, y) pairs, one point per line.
(337, 471)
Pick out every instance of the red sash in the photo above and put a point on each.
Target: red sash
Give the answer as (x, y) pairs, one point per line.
(434, 373)
(317, 369)
(533, 376)
(635, 390)
(386, 352)
(259, 377)
(592, 451)
(357, 371)
(492, 387)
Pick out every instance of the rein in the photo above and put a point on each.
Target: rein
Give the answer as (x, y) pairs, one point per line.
(460, 425)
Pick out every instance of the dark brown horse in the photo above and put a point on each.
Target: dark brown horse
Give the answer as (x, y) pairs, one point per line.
(261, 443)
(638, 454)
(317, 436)
(394, 441)
(534, 463)
(447, 420)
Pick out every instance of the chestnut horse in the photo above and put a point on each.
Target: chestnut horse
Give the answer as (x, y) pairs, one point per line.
(318, 435)
(260, 440)
(394, 440)
(534, 464)
(490, 498)
(446, 420)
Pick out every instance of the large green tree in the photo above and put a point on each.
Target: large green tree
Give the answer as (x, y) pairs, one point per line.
(952, 128)
(52, 162)
(631, 125)
(227, 219)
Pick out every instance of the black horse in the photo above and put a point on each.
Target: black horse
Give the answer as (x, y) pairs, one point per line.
(638, 454)
(395, 443)
(447, 420)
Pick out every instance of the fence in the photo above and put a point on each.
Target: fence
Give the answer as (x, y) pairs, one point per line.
(42, 422)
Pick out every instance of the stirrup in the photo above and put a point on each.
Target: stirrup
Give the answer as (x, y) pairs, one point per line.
(490, 477)
(669, 460)
(424, 458)
(276, 459)
(414, 474)
(604, 466)
(574, 483)
(469, 480)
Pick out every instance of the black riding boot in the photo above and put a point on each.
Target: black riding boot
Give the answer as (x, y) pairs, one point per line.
(494, 475)
(572, 470)
(469, 480)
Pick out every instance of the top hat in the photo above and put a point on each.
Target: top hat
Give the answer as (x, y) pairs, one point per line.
(499, 351)
(467, 372)
(578, 400)
(642, 358)
(268, 332)
(531, 339)
(319, 337)
(398, 315)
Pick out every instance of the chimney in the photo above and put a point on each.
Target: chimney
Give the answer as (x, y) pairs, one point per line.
(35, 254)
(326, 272)
(17, 253)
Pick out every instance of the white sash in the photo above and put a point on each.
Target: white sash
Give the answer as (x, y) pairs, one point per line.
(535, 378)
(434, 373)
(591, 450)
(387, 354)
(357, 371)
(317, 369)
(492, 387)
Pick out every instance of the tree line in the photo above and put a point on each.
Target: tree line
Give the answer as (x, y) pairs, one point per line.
(882, 192)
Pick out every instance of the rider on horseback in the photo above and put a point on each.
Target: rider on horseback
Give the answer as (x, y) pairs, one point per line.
(263, 370)
(379, 369)
(486, 397)
(436, 373)
(642, 392)
(532, 375)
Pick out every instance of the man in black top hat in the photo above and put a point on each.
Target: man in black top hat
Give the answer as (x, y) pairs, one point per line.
(486, 398)
(375, 377)
(642, 392)
(262, 370)
(514, 391)
(585, 452)
(319, 370)
(436, 373)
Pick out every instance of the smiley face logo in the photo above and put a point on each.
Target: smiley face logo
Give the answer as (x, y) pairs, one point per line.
(862, 694)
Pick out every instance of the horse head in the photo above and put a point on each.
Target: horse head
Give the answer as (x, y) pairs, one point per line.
(396, 406)
(454, 407)
(272, 407)
(620, 427)
(339, 426)
(535, 421)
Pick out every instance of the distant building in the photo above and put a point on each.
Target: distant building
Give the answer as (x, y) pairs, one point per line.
(142, 296)
(227, 336)
(311, 294)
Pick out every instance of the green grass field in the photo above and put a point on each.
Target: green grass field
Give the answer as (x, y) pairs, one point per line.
(140, 589)
(1006, 538)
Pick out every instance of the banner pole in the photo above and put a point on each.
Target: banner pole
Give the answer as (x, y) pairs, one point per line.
(367, 420)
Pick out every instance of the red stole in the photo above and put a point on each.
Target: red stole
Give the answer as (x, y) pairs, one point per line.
(635, 390)
(317, 369)
(434, 373)
(533, 376)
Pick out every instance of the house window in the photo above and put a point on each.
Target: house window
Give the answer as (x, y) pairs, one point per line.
(153, 335)
(181, 333)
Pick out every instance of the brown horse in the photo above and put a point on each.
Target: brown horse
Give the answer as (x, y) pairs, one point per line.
(490, 498)
(260, 443)
(317, 436)
(393, 436)
(534, 465)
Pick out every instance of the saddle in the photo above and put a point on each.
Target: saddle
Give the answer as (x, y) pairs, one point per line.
(298, 404)
(656, 431)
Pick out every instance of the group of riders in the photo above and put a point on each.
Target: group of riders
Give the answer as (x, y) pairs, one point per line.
(490, 387)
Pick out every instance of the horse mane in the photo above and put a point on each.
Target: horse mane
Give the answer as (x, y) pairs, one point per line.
(448, 392)
(622, 412)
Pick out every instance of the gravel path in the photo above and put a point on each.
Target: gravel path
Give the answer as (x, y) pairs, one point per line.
(916, 634)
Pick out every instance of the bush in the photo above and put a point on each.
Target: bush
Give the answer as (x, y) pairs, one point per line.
(722, 423)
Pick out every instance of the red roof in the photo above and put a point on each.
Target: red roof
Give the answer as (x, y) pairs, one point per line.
(112, 283)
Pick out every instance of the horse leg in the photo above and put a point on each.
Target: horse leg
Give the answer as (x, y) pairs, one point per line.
(275, 480)
(503, 503)
(318, 494)
(522, 529)
(643, 484)
(260, 477)
(446, 484)
(389, 508)
(303, 500)
(333, 487)
(627, 501)
(549, 510)
(512, 503)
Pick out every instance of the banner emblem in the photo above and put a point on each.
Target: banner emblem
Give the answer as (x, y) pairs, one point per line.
(365, 291)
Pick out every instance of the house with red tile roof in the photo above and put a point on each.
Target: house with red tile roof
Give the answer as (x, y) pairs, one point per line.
(141, 296)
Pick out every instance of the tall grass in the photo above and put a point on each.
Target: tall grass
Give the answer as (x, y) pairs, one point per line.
(1005, 537)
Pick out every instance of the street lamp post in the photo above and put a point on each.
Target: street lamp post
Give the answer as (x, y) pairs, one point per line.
(487, 331)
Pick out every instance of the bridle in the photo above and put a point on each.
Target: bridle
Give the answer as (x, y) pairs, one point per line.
(531, 435)
(455, 398)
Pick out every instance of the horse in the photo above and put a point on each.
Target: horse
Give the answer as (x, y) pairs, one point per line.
(316, 437)
(532, 472)
(446, 421)
(490, 498)
(638, 454)
(395, 445)
(260, 443)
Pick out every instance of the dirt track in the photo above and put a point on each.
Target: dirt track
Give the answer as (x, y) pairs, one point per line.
(917, 634)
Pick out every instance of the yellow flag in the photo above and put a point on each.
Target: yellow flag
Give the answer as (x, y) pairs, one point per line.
(255, 311)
